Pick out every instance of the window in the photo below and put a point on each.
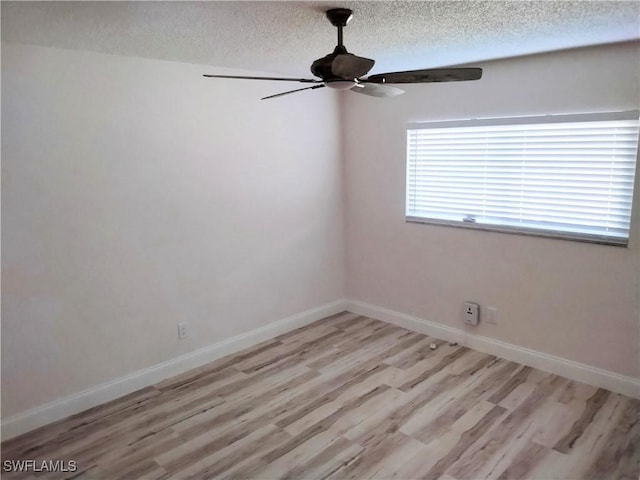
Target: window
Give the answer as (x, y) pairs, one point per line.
(565, 176)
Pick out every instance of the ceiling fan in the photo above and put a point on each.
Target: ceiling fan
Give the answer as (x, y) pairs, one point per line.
(342, 70)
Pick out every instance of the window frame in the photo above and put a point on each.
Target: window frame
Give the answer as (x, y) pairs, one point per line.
(523, 230)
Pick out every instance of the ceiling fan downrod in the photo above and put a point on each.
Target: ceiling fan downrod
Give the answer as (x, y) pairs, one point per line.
(339, 17)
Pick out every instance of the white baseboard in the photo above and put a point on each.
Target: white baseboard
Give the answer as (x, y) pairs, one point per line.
(560, 366)
(61, 408)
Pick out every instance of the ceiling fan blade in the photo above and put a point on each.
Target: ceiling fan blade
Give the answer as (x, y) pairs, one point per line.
(279, 79)
(348, 65)
(292, 91)
(427, 76)
(375, 90)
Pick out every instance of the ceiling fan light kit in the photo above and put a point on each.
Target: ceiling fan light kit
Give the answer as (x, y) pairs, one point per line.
(341, 70)
(342, 84)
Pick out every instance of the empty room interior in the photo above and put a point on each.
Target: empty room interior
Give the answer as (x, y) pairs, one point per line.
(312, 239)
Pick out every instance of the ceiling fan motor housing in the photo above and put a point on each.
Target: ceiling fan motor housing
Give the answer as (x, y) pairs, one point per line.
(322, 67)
(340, 66)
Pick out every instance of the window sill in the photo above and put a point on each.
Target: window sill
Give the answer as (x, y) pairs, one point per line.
(600, 240)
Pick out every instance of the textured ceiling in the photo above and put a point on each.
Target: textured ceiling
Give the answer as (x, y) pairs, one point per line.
(285, 37)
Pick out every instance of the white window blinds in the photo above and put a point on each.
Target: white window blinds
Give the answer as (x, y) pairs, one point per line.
(568, 176)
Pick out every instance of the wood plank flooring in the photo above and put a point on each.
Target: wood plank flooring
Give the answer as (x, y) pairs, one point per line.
(348, 397)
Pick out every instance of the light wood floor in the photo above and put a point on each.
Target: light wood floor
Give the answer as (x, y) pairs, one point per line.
(350, 397)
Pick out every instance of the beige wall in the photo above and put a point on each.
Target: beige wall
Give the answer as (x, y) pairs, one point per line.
(574, 300)
(137, 194)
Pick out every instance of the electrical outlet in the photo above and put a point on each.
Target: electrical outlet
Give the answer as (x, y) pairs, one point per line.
(492, 315)
(183, 330)
(470, 313)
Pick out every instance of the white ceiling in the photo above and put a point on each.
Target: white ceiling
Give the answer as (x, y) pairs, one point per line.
(285, 37)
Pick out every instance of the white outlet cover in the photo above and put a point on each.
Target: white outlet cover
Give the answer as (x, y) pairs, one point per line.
(183, 330)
